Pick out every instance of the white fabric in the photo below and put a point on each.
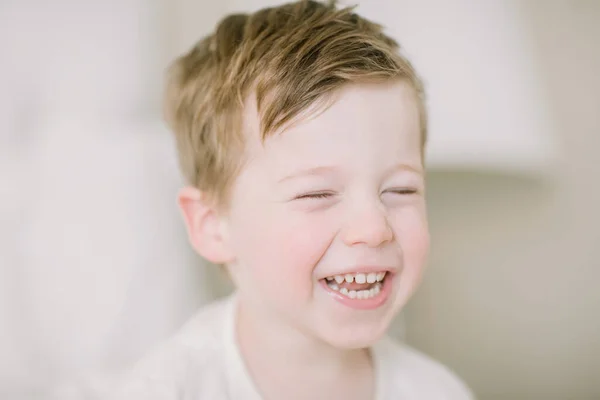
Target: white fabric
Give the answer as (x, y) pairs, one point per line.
(203, 362)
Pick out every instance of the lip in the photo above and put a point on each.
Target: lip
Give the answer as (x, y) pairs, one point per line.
(363, 304)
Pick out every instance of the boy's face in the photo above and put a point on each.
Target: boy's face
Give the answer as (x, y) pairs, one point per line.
(336, 195)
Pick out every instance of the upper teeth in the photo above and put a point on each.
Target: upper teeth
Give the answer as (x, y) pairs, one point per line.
(371, 277)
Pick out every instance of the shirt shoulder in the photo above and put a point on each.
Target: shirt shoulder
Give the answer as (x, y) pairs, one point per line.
(188, 365)
(418, 376)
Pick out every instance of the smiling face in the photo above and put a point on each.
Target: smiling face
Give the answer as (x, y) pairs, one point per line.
(340, 195)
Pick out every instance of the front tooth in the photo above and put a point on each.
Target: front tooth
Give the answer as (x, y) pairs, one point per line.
(360, 278)
(372, 277)
(380, 276)
(352, 294)
(339, 279)
(334, 286)
(365, 294)
(344, 291)
(377, 288)
(349, 278)
(360, 294)
(372, 292)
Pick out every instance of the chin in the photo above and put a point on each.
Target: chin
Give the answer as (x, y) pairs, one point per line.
(355, 336)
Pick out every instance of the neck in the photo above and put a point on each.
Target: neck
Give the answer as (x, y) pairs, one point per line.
(278, 356)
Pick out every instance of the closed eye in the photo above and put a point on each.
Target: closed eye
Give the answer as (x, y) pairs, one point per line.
(402, 191)
(315, 195)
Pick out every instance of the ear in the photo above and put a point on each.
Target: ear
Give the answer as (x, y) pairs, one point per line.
(204, 226)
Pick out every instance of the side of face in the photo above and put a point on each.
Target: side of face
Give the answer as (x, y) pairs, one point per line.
(332, 194)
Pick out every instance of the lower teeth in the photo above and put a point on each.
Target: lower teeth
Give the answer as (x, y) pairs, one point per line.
(357, 294)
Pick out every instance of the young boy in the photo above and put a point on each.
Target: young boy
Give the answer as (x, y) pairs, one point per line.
(300, 129)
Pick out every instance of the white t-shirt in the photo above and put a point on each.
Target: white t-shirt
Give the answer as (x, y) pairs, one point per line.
(202, 362)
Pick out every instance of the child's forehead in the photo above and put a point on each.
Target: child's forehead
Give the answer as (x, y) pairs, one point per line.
(359, 126)
(339, 110)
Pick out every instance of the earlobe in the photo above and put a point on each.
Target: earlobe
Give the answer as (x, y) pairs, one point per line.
(204, 227)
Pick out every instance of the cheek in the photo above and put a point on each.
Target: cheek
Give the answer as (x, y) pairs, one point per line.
(281, 250)
(304, 238)
(413, 234)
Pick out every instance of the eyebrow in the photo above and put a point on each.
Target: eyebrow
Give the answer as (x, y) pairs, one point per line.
(308, 172)
(405, 167)
(329, 169)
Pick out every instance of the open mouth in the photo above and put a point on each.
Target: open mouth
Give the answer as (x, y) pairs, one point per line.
(361, 286)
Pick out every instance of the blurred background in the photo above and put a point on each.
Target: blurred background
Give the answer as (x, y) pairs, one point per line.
(94, 263)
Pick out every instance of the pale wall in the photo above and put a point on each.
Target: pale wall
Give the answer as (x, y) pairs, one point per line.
(511, 300)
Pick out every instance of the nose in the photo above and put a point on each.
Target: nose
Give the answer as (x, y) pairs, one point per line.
(368, 227)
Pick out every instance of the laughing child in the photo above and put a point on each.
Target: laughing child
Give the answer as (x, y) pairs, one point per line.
(301, 132)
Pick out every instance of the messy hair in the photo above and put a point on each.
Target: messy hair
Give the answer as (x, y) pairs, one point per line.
(291, 58)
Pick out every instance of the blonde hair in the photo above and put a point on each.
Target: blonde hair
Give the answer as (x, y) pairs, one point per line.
(290, 57)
